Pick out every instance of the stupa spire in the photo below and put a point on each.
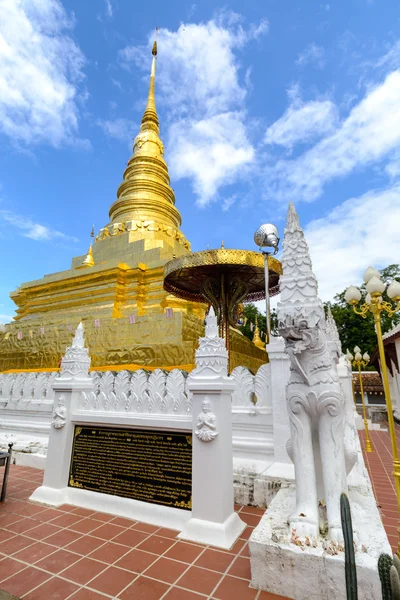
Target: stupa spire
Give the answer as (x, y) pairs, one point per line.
(145, 204)
(150, 117)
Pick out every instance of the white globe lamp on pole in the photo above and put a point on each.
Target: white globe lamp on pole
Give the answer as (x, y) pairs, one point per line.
(266, 236)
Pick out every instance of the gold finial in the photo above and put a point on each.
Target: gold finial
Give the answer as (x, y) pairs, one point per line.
(257, 341)
(88, 261)
(222, 245)
(150, 117)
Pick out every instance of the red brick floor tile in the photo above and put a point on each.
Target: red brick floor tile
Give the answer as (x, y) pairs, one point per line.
(84, 594)
(109, 552)
(44, 516)
(66, 519)
(131, 538)
(83, 512)
(9, 567)
(86, 526)
(241, 568)
(167, 570)
(35, 552)
(246, 533)
(169, 533)
(85, 545)
(214, 560)
(179, 594)
(199, 580)
(146, 527)
(108, 532)
(67, 507)
(30, 510)
(15, 544)
(58, 561)
(232, 588)
(63, 538)
(24, 581)
(84, 570)
(112, 581)
(250, 519)
(185, 552)
(104, 517)
(8, 519)
(236, 548)
(136, 561)
(5, 535)
(22, 526)
(156, 544)
(54, 589)
(253, 510)
(43, 531)
(245, 551)
(144, 589)
(123, 522)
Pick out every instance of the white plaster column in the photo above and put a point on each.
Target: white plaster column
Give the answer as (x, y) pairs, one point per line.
(213, 519)
(73, 380)
(279, 370)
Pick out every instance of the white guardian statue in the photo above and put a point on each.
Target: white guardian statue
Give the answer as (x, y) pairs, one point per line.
(315, 401)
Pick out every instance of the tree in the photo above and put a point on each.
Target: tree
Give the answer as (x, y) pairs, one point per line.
(353, 329)
(250, 314)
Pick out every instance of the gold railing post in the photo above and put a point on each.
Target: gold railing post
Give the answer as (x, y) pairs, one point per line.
(392, 426)
(368, 444)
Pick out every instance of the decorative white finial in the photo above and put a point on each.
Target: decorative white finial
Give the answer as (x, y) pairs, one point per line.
(298, 284)
(292, 219)
(211, 355)
(78, 341)
(211, 324)
(76, 362)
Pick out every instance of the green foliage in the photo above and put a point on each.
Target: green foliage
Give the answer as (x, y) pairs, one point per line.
(251, 313)
(353, 329)
(350, 561)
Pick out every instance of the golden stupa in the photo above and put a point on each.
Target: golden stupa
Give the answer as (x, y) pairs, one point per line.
(116, 289)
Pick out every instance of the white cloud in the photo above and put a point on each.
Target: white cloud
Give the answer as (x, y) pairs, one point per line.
(109, 9)
(359, 232)
(370, 133)
(198, 82)
(312, 54)
(32, 230)
(211, 152)
(302, 122)
(120, 129)
(40, 71)
(5, 319)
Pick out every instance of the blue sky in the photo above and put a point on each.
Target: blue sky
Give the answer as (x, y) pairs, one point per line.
(260, 103)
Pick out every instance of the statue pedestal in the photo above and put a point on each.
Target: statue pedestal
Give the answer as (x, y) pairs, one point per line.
(314, 573)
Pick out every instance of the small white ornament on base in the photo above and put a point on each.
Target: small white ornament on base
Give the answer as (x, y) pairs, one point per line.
(206, 429)
(60, 413)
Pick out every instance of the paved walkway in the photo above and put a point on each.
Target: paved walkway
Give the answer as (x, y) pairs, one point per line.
(70, 552)
(380, 467)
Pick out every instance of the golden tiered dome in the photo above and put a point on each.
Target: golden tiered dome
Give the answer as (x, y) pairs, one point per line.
(145, 195)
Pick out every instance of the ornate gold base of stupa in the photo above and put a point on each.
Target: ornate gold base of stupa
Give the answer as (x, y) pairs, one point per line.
(123, 306)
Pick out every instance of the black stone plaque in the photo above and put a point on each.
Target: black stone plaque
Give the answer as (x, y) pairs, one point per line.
(148, 465)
